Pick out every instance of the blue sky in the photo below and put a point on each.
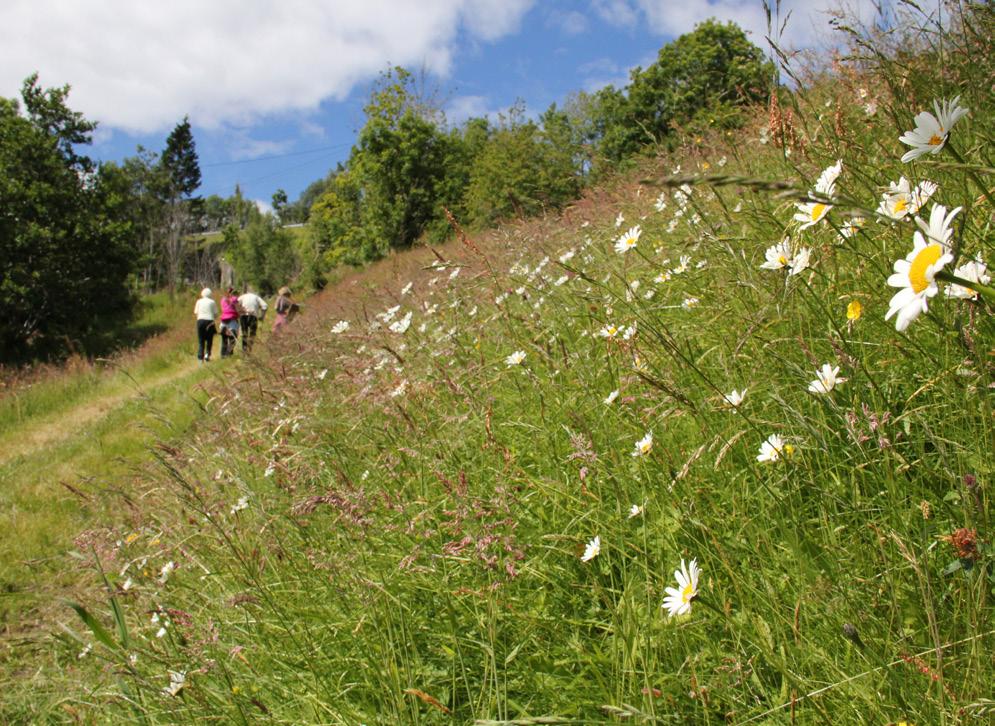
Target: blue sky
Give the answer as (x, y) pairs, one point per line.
(275, 90)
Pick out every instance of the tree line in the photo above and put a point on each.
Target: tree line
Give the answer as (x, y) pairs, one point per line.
(79, 241)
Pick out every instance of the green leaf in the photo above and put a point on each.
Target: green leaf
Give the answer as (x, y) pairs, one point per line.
(98, 630)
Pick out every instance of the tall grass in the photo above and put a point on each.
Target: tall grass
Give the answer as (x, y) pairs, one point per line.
(388, 527)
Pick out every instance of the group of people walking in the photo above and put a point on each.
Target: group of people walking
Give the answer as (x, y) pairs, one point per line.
(239, 315)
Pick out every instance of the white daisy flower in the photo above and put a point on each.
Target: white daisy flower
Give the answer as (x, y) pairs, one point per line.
(931, 131)
(915, 276)
(455, 273)
(340, 327)
(567, 256)
(678, 600)
(800, 262)
(644, 445)
(662, 277)
(610, 398)
(322, 374)
(635, 510)
(735, 398)
(901, 199)
(774, 449)
(400, 326)
(242, 503)
(629, 332)
(608, 331)
(166, 571)
(938, 230)
(591, 550)
(177, 680)
(851, 226)
(619, 219)
(810, 213)
(515, 358)
(827, 379)
(628, 240)
(661, 202)
(778, 256)
(973, 271)
(690, 303)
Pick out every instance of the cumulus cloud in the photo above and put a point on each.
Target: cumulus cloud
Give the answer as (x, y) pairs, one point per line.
(462, 108)
(808, 24)
(141, 66)
(567, 22)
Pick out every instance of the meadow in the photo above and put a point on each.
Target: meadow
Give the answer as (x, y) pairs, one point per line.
(715, 445)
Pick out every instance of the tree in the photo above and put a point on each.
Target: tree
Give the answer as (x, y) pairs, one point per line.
(279, 204)
(65, 244)
(703, 77)
(182, 175)
(399, 163)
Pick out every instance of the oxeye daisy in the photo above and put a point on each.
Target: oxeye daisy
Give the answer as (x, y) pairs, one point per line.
(851, 226)
(635, 510)
(735, 398)
(515, 358)
(591, 550)
(678, 600)
(340, 327)
(973, 271)
(778, 256)
(915, 276)
(774, 449)
(812, 212)
(938, 230)
(644, 445)
(610, 398)
(930, 133)
(827, 379)
(800, 261)
(628, 240)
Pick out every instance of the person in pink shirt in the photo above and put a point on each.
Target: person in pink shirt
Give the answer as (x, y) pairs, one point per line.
(229, 322)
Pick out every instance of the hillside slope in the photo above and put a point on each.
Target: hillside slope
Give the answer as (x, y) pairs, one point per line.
(457, 490)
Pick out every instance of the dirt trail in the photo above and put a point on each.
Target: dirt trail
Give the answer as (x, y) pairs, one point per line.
(56, 427)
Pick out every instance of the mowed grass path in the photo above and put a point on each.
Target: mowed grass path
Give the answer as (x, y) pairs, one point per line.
(70, 448)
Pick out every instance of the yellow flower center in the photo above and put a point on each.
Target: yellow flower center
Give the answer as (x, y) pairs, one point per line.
(935, 140)
(901, 204)
(920, 264)
(687, 593)
(782, 259)
(817, 211)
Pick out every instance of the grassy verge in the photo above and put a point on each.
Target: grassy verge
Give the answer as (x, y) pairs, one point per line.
(458, 492)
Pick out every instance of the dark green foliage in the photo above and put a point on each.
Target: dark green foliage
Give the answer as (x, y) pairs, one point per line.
(262, 253)
(399, 165)
(702, 78)
(65, 240)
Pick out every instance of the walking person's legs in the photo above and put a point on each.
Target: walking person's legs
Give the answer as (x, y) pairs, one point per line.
(202, 340)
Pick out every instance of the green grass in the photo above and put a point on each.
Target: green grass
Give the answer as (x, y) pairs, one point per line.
(387, 527)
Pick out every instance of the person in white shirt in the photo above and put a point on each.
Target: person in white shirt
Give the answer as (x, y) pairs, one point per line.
(252, 309)
(206, 312)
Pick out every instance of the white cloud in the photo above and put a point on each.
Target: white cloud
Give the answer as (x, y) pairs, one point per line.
(463, 108)
(263, 206)
(141, 66)
(568, 23)
(807, 27)
(619, 13)
(248, 148)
